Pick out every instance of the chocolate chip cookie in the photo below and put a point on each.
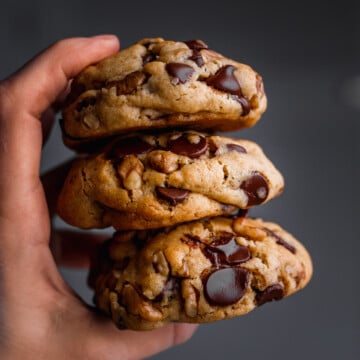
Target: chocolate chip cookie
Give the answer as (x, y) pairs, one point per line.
(162, 84)
(197, 272)
(151, 181)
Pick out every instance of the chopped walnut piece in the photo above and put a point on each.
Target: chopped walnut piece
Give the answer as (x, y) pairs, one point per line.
(189, 295)
(163, 161)
(137, 306)
(241, 227)
(130, 171)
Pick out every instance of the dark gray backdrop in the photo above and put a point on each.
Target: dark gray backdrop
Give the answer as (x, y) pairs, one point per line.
(308, 54)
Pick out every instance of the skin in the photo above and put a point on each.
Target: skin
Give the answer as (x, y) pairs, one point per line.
(40, 316)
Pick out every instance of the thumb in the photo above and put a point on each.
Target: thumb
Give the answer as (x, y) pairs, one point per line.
(27, 94)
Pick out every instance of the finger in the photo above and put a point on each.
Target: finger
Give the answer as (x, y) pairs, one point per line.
(28, 93)
(47, 118)
(53, 181)
(38, 84)
(105, 338)
(74, 248)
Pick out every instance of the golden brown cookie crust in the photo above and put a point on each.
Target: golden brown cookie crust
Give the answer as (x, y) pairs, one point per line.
(197, 272)
(150, 181)
(162, 84)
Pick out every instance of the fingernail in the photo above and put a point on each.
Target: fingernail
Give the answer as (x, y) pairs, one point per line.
(106, 37)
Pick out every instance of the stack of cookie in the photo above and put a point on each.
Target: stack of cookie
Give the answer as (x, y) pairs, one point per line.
(176, 193)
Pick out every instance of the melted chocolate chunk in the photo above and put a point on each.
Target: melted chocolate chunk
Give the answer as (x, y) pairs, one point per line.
(90, 100)
(256, 188)
(226, 286)
(212, 146)
(183, 146)
(149, 57)
(192, 240)
(197, 58)
(181, 72)
(226, 251)
(244, 103)
(196, 44)
(225, 80)
(274, 292)
(172, 195)
(130, 146)
(281, 241)
(236, 147)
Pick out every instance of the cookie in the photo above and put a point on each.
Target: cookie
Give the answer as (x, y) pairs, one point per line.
(197, 272)
(157, 84)
(150, 181)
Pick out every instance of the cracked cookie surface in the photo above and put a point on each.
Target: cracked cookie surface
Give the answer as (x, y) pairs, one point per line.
(157, 84)
(197, 272)
(150, 181)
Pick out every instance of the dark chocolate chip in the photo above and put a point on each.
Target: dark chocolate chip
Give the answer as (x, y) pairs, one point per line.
(225, 80)
(274, 292)
(196, 44)
(191, 240)
(172, 195)
(226, 251)
(130, 146)
(281, 241)
(197, 58)
(236, 147)
(87, 101)
(226, 286)
(179, 71)
(243, 101)
(149, 57)
(183, 146)
(256, 188)
(212, 146)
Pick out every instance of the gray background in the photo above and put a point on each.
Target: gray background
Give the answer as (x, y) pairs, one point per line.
(308, 54)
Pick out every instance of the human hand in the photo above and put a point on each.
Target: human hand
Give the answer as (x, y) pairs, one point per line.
(40, 316)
